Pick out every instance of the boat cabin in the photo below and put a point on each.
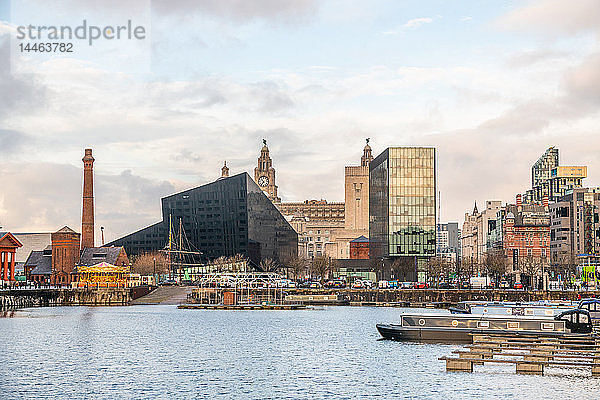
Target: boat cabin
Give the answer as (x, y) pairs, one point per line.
(576, 320)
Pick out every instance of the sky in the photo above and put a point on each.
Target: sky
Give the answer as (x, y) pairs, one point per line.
(490, 84)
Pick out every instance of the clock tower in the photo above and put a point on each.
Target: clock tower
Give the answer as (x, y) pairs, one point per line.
(264, 174)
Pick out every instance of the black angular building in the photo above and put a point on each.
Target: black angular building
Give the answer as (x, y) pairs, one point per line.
(227, 217)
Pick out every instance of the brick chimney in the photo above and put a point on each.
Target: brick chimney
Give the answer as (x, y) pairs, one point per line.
(87, 214)
(519, 203)
(545, 203)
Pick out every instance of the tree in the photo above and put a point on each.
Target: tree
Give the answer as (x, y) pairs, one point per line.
(298, 266)
(268, 265)
(144, 264)
(436, 268)
(402, 268)
(530, 267)
(495, 264)
(567, 266)
(320, 266)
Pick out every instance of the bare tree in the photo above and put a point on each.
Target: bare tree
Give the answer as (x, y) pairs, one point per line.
(437, 267)
(298, 265)
(145, 264)
(402, 268)
(320, 267)
(567, 266)
(495, 264)
(268, 265)
(530, 267)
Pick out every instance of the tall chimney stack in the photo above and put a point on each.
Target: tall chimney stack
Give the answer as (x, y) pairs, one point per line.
(87, 214)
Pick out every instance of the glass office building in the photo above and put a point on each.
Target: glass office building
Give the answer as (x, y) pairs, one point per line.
(227, 217)
(402, 199)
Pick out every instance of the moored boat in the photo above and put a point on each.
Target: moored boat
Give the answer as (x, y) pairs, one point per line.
(459, 328)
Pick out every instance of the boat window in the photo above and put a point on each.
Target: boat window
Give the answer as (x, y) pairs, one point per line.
(529, 311)
(483, 324)
(567, 317)
(547, 326)
(512, 325)
(549, 312)
(583, 319)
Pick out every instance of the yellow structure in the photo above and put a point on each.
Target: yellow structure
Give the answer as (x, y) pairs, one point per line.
(102, 274)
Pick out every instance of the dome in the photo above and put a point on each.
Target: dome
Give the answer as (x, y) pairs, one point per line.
(510, 215)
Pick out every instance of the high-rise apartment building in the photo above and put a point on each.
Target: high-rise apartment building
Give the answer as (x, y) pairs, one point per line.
(540, 175)
(402, 198)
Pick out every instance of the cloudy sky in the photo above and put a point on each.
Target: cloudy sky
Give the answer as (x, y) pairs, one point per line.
(490, 84)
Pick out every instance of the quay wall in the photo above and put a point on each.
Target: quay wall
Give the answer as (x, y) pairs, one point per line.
(414, 296)
(21, 298)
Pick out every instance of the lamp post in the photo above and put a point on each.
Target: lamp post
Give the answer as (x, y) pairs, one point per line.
(154, 263)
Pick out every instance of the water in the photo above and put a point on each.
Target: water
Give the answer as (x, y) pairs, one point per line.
(142, 352)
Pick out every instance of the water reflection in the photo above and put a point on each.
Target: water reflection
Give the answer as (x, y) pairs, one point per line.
(162, 352)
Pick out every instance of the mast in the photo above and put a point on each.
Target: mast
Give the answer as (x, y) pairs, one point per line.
(180, 249)
(170, 240)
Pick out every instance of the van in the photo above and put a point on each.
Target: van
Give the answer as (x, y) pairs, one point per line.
(383, 284)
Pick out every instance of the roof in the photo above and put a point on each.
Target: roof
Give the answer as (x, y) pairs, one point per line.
(10, 237)
(42, 264)
(95, 255)
(31, 242)
(102, 267)
(360, 239)
(65, 229)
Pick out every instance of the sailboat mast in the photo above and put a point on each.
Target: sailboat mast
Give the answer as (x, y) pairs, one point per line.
(170, 241)
(180, 249)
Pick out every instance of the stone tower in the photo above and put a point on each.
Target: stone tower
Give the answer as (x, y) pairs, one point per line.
(356, 213)
(87, 214)
(224, 170)
(264, 174)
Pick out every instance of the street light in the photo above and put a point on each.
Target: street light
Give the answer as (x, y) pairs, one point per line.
(154, 262)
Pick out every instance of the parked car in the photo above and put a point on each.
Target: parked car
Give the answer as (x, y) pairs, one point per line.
(383, 284)
(407, 285)
(420, 285)
(444, 285)
(367, 284)
(504, 285)
(168, 282)
(339, 283)
(393, 284)
(358, 284)
(315, 285)
(518, 285)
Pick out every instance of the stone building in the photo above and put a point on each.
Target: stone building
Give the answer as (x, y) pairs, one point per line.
(359, 248)
(264, 174)
(474, 235)
(327, 228)
(575, 225)
(8, 248)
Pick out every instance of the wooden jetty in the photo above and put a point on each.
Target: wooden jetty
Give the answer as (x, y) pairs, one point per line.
(530, 355)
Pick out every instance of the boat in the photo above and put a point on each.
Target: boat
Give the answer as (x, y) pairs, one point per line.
(537, 309)
(460, 327)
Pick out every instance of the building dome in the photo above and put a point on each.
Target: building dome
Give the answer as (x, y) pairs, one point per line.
(510, 215)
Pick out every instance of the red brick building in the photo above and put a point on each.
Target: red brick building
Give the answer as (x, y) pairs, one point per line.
(65, 255)
(359, 248)
(526, 239)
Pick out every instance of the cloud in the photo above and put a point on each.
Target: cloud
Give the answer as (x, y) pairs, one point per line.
(46, 196)
(554, 17)
(11, 142)
(531, 57)
(412, 24)
(417, 22)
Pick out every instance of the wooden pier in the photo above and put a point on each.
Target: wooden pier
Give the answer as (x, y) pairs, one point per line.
(530, 355)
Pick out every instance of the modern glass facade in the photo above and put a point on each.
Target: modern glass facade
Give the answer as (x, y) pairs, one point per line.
(227, 217)
(402, 188)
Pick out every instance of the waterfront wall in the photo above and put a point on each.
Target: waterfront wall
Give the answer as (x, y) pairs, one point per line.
(21, 298)
(414, 296)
